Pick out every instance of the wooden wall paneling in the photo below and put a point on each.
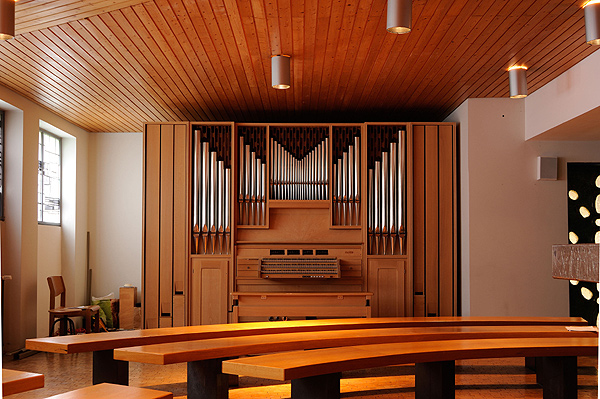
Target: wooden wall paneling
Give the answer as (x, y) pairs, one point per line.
(151, 253)
(166, 225)
(409, 297)
(386, 282)
(180, 224)
(364, 205)
(209, 290)
(431, 221)
(418, 151)
(234, 211)
(447, 217)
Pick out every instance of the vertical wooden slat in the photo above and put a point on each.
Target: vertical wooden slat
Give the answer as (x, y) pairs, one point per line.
(419, 219)
(446, 215)
(431, 221)
(152, 226)
(194, 293)
(180, 233)
(166, 222)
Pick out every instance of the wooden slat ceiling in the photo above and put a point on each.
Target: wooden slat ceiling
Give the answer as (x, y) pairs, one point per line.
(110, 65)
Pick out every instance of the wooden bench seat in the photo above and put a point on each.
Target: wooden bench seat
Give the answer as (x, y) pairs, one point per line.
(113, 391)
(106, 369)
(315, 374)
(14, 381)
(204, 356)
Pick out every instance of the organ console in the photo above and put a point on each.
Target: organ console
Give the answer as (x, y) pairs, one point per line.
(339, 210)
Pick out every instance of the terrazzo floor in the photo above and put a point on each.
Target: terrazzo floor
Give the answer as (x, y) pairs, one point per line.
(483, 379)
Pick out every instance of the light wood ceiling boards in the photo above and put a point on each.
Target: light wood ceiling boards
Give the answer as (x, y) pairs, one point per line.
(33, 15)
(109, 66)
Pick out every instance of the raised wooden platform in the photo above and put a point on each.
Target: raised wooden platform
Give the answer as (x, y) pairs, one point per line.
(301, 304)
(106, 369)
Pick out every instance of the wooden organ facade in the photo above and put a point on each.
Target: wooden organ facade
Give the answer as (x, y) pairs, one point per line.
(249, 221)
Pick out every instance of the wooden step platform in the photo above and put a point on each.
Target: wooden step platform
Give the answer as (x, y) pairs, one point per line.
(14, 381)
(113, 391)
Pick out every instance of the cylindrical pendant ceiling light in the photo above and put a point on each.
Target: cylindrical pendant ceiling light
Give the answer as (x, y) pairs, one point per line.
(280, 71)
(592, 22)
(7, 19)
(517, 81)
(399, 16)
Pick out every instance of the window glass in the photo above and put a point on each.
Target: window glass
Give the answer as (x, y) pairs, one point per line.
(49, 178)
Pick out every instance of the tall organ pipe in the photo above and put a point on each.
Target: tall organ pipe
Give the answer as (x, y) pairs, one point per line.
(393, 194)
(384, 199)
(357, 179)
(241, 179)
(351, 193)
(370, 210)
(205, 201)
(220, 197)
(377, 208)
(196, 192)
(227, 209)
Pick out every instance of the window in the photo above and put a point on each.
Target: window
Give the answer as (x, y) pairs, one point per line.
(1, 165)
(49, 176)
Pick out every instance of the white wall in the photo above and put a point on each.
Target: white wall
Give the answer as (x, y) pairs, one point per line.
(115, 217)
(573, 96)
(20, 241)
(49, 256)
(513, 219)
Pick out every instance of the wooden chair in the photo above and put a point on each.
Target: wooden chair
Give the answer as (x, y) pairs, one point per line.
(64, 314)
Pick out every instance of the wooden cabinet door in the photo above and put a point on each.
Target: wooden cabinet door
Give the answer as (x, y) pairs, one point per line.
(386, 282)
(209, 294)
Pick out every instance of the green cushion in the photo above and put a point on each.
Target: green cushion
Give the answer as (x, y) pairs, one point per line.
(105, 312)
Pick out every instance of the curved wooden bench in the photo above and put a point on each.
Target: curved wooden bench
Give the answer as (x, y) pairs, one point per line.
(204, 357)
(113, 391)
(316, 374)
(14, 381)
(106, 369)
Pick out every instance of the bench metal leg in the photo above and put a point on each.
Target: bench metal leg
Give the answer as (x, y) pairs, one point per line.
(434, 380)
(107, 369)
(559, 379)
(535, 364)
(205, 380)
(325, 386)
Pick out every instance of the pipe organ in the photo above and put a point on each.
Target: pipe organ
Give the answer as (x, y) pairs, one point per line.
(211, 190)
(299, 163)
(299, 220)
(386, 170)
(346, 176)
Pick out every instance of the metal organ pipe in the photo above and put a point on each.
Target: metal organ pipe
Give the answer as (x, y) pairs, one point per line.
(357, 179)
(299, 179)
(377, 205)
(196, 192)
(393, 195)
(384, 195)
(350, 183)
(205, 202)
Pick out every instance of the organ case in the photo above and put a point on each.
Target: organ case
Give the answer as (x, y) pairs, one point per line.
(365, 192)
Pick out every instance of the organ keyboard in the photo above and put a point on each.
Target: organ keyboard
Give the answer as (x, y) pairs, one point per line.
(300, 268)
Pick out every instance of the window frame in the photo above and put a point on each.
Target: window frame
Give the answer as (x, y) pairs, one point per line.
(43, 133)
